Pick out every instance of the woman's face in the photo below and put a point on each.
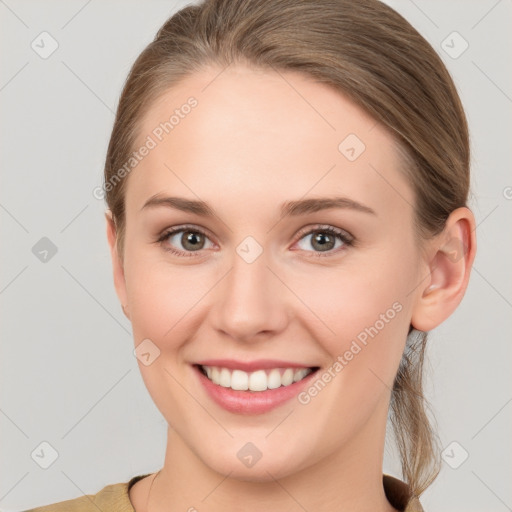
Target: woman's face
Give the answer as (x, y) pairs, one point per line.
(257, 285)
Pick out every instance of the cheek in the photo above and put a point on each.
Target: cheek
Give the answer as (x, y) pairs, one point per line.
(161, 296)
(362, 309)
(369, 312)
(162, 300)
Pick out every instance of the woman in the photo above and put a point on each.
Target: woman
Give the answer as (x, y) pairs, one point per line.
(287, 188)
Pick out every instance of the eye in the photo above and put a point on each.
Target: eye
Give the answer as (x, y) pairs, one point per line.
(192, 239)
(324, 238)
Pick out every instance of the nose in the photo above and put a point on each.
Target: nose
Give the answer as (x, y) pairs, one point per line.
(251, 302)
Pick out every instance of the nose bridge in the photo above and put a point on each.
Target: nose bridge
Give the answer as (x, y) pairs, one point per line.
(249, 301)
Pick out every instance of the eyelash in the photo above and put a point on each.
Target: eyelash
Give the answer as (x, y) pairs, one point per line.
(347, 239)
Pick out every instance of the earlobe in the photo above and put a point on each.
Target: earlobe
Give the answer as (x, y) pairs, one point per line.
(117, 265)
(451, 257)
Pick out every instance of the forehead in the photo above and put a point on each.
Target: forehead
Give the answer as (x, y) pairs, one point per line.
(258, 133)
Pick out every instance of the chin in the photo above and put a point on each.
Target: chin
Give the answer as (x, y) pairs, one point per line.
(252, 465)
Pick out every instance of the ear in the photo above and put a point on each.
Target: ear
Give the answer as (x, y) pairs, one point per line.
(450, 257)
(117, 264)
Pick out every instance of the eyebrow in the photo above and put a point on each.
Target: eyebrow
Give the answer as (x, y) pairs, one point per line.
(289, 208)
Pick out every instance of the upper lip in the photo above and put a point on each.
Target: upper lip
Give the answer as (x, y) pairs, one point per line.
(249, 366)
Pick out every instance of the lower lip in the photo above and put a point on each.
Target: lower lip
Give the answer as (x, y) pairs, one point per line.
(251, 402)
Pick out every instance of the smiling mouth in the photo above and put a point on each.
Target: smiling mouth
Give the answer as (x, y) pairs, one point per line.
(259, 380)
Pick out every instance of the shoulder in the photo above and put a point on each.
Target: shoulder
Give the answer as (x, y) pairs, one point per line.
(112, 498)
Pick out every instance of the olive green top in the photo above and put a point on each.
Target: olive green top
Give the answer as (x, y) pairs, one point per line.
(114, 498)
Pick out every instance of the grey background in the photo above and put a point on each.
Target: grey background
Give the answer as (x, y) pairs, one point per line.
(68, 374)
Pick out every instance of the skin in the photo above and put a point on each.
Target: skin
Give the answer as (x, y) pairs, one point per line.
(252, 143)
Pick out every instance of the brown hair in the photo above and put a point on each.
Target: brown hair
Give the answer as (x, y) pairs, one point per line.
(374, 57)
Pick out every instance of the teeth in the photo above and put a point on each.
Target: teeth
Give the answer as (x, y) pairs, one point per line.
(260, 380)
(299, 375)
(287, 377)
(239, 380)
(225, 378)
(257, 380)
(274, 379)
